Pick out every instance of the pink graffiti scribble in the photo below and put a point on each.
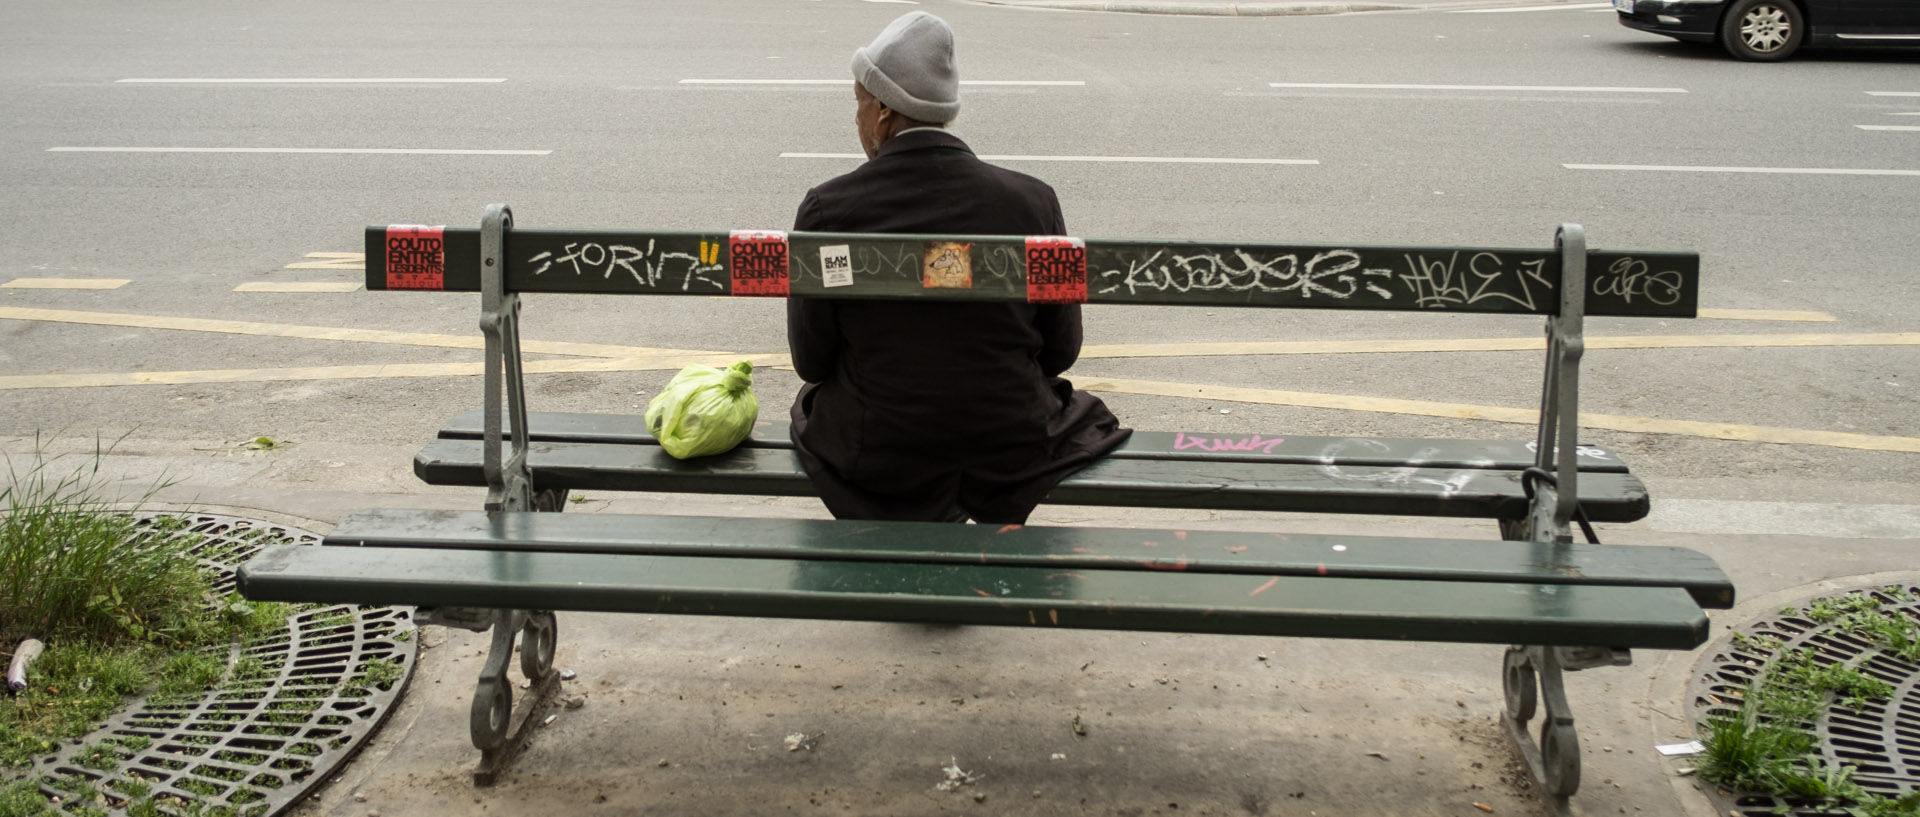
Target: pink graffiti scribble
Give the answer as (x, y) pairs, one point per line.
(1264, 445)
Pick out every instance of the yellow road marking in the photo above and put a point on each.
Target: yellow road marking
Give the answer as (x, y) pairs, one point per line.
(1090, 352)
(1336, 347)
(335, 260)
(66, 283)
(299, 286)
(1501, 414)
(611, 358)
(550, 347)
(1765, 315)
(360, 372)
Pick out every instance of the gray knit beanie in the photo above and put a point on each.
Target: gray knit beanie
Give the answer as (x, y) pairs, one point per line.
(909, 67)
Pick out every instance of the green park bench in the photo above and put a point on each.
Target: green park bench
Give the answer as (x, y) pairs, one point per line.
(1566, 605)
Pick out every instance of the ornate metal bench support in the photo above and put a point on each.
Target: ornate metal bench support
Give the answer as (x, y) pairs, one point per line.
(1533, 673)
(509, 486)
(498, 733)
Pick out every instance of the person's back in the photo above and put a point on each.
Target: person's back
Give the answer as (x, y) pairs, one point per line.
(931, 410)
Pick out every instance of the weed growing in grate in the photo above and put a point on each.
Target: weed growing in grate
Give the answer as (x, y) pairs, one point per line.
(1801, 669)
(1897, 633)
(382, 673)
(23, 799)
(104, 757)
(1745, 751)
(189, 673)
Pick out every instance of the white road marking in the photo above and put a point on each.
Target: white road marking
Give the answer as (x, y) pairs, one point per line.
(1024, 82)
(1562, 7)
(303, 80)
(1812, 171)
(1888, 127)
(66, 283)
(1602, 89)
(1893, 93)
(1380, 96)
(299, 286)
(407, 151)
(1132, 159)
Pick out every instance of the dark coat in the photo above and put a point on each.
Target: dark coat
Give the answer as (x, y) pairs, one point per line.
(923, 410)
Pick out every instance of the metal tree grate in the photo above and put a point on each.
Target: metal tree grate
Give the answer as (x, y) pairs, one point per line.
(290, 706)
(1880, 740)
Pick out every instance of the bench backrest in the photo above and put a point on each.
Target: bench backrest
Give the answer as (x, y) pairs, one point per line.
(1041, 268)
(1564, 283)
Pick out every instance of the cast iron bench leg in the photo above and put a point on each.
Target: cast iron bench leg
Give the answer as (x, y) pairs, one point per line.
(1530, 674)
(497, 732)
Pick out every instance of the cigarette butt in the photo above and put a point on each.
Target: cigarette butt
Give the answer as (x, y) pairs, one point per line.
(22, 656)
(1483, 807)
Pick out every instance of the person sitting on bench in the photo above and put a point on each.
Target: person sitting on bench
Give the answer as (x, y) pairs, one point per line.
(928, 410)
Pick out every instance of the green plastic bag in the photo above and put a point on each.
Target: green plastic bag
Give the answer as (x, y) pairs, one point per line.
(704, 410)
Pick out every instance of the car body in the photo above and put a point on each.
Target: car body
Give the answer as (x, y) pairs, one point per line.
(1767, 30)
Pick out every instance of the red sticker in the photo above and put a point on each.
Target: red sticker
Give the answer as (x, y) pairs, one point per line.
(757, 263)
(416, 257)
(1056, 270)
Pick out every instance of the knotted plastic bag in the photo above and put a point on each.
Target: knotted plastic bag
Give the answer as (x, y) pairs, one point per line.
(704, 410)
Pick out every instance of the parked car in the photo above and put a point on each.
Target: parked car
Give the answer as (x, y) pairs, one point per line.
(1768, 30)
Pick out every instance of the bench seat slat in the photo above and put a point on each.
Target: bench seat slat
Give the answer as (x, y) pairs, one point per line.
(1478, 612)
(1059, 548)
(628, 429)
(1239, 486)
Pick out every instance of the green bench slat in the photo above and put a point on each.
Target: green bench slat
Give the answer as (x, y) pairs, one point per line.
(1059, 548)
(1476, 612)
(1239, 486)
(631, 429)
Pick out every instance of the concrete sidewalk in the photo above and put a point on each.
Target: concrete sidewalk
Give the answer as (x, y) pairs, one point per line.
(690, 715)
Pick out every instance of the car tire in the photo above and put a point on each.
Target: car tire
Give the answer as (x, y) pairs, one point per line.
(1762, 30)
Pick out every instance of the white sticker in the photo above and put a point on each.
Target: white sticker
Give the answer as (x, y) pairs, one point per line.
(836, 266)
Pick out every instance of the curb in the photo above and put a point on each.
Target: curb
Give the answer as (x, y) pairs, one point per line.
(1272, 9)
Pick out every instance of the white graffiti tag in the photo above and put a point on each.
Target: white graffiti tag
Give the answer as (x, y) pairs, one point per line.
(586, 258)
(1440, 283)
(1329, 274)
(1629, 278)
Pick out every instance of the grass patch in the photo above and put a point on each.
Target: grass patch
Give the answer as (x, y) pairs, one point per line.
(74, 687)
(72, 568)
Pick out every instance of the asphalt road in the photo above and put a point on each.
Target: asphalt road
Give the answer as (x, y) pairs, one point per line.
(596, 93)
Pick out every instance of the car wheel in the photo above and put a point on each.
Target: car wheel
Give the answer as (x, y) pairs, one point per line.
(1762, 30)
